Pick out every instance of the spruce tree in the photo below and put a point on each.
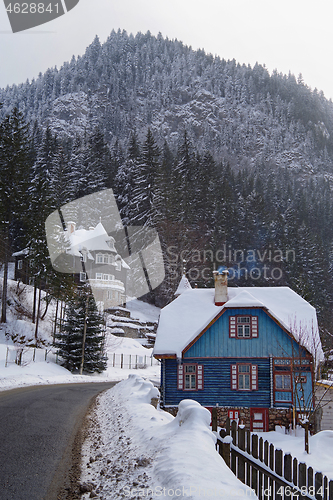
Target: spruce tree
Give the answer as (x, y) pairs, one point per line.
(15, 160)
(81, 338)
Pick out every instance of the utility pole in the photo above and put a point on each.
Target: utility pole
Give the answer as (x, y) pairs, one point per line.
(84, 335)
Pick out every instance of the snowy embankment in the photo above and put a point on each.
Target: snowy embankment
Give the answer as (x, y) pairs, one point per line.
(136, 451)
(41, 371)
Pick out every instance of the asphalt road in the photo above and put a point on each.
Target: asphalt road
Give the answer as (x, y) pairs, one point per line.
(38, 427)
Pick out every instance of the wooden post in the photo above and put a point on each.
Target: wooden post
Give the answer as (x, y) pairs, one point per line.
(241, 438)
(271, 456)
(295, 471)
(310, 478)
(255, 445)
(330, 489)
(266, 479)
(227, 426)
(301, 478)
(6, 357)
(214, 419)
(261, 443)
(306, 436)
(226, 453)
(319, 486)
(254, 482)
(219, 443)
(248, 450)
(55, 321)
(38, 314)
(121, 360)
(233, 465)
(130, 359)
(325, 486)
(84, 336)
(234, 432)
(114, 359)
(288, 467)
(241, 461)
(278, 462)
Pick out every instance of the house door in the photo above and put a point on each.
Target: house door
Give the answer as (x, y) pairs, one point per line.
(259, 419)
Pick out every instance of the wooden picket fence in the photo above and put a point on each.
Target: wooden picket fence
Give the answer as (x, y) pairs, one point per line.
(272, 474)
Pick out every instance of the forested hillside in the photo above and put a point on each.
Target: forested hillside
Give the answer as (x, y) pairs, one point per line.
(232, 165)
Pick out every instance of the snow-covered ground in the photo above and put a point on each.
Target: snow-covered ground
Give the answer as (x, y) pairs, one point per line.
(320, 457)
(38, 372)
(136, 451)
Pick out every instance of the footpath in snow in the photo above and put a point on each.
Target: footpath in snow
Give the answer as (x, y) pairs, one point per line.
(134, 450)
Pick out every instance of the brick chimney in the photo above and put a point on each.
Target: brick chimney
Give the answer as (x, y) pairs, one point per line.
(221, 287)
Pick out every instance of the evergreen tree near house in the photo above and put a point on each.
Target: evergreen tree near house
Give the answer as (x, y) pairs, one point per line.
(80, 344)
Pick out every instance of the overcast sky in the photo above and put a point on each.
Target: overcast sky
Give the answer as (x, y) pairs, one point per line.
(287, 35)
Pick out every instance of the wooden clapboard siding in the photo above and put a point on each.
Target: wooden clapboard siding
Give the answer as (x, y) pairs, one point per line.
(217, 385)
(272, 339)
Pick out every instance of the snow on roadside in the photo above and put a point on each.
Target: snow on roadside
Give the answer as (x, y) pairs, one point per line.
(48, 372)
(136, 451)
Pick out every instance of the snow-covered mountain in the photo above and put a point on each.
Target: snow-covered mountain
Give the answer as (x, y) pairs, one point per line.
(239, 113)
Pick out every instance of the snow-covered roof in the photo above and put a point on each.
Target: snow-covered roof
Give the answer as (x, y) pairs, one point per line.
(96, 239)
(184, 285)
(20, 253)
(183, 320)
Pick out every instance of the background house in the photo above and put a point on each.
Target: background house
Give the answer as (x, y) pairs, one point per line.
(251, 351)
(96, 258)
(90, 255)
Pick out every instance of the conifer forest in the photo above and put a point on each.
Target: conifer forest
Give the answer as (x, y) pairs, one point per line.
(232, 165)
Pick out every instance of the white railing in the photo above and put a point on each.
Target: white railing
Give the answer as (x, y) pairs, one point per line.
(23, 356)
(130, 361)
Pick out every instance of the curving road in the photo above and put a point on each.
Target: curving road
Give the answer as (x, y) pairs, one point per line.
(38, 427)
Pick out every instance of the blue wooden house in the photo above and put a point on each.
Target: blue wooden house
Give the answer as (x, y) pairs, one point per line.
(250, 351)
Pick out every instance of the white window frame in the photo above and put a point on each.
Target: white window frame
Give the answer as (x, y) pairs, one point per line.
(99, 258)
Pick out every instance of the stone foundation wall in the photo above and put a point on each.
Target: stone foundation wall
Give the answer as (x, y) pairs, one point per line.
(276, 416)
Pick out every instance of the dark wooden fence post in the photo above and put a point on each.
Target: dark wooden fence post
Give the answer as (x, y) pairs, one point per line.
(234, 432)
(295, 471)
(254, 482)
(278, 470)
(278, 461)
(227, 425)
(267, 482)
(310, 479)
(241, 460)
(234, 442)
(302, 478)
(214, 419)
(271, 456)
(319, 489)
(325, 486)
(287, 469)
(224, 448)
(330, 489)
(248, 450)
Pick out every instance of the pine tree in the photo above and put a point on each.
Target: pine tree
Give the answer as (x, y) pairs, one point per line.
(15, 161)
(124, 181)
(83, 326)
(143, 195)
